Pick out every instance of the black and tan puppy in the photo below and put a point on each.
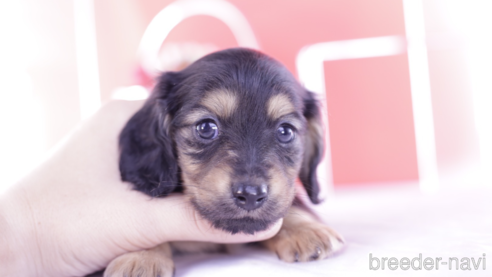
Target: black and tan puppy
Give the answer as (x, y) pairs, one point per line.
(232, 131)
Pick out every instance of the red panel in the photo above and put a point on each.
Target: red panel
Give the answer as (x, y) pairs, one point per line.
(284, 27)
(370, 117)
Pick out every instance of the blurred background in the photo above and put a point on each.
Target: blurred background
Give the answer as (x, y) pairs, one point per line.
(406, 85)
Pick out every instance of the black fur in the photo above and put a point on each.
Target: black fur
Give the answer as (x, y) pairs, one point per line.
(148, 143)
(308, 175)
(147, 155)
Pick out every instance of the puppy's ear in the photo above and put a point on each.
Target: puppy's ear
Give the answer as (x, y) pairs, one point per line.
(313, 147)
(147, 155)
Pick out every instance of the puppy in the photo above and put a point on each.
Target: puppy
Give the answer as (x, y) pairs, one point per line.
(232, 131)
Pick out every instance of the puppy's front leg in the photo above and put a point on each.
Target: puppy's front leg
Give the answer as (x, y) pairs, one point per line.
(152, 262)
(303, 238)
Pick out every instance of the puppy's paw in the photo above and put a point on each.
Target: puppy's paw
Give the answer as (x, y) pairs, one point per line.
(313, 241)
(140, 264)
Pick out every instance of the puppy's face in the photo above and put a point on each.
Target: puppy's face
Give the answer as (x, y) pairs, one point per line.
(233, 131)
(239, 152)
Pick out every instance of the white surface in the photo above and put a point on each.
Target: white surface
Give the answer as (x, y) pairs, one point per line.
(386, 222)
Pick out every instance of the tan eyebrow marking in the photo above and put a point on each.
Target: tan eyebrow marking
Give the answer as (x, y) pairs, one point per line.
(195, 115)
(221, 102)
(279, 105)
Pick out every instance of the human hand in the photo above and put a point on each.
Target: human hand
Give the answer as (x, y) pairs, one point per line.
(72, 215)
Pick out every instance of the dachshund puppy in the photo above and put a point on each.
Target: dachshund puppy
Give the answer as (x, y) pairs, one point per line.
(232, 131)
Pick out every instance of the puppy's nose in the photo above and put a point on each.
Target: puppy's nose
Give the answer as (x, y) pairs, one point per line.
(250, 197)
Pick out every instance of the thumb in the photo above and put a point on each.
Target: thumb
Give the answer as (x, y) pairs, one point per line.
(182, 222)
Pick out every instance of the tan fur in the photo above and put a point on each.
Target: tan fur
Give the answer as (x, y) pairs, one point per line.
(203, 182)
(188, 166)
(315, 134)
(232, 154)
(303, 238)
(223, 103)
(279, 105)
(279, 186)
(167, 122)
(197, 247)
(195, 116)
(156, 261)
(206, 189)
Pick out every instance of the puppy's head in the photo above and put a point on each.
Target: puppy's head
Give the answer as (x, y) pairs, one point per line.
(232, 131)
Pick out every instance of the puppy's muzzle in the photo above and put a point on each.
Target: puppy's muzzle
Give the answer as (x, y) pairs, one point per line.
(248, 196)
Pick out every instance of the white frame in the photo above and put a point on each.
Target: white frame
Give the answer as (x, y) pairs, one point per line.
(310, 68)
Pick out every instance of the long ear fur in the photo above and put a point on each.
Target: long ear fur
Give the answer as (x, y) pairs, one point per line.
(147, 155)
(313, 148)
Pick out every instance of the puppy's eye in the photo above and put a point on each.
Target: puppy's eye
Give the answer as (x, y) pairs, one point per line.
(207, 129)
(285, 134)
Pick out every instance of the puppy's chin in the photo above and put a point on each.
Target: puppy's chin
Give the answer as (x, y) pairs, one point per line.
(230, 218)
(247, 225)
